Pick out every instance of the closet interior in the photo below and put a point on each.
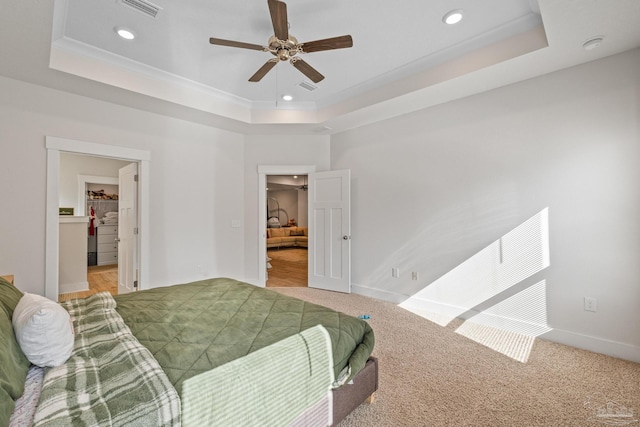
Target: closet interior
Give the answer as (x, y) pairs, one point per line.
(102, 208)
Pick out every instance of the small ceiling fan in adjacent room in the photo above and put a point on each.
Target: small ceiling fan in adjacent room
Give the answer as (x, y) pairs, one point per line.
(285, 47)
(304, 187)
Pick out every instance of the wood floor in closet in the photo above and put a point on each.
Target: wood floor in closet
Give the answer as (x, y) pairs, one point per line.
(101, 278)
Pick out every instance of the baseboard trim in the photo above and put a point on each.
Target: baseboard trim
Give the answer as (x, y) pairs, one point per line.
(379, 294)
(595, 344)
(586, 342)
(68, 288)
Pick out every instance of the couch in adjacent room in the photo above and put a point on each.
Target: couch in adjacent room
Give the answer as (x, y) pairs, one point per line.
(287, 237)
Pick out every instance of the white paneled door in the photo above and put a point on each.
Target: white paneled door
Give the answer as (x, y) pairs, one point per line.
(330, 231)
(127, 228)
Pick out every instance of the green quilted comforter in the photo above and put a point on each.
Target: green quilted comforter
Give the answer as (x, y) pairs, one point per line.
(195, 327)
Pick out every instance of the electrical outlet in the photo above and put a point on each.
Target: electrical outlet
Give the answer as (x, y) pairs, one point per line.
(395, 272)
(414, 275)
(590, 304)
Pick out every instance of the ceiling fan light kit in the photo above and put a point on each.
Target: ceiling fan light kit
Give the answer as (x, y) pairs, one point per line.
(285, 47)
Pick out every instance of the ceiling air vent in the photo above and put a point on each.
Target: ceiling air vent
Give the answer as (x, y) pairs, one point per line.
(308, 86)
(143, 6)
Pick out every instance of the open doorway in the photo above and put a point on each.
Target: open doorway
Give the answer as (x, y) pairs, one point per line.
(102, 248)
(329, 241)
(287, 232)
(91, 185)
(55, 148)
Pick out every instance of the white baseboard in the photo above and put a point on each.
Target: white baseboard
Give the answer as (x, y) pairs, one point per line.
(67, 288)
(595, 344)
(378, 294)
(586, 342)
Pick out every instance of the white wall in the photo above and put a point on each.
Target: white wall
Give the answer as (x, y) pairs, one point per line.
(288, 202)
(72, 165)
(431, 189)
(273, 150)
(72, 189)
(196, 183)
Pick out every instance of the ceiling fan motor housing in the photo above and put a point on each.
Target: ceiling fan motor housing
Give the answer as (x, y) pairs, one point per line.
(283, 49)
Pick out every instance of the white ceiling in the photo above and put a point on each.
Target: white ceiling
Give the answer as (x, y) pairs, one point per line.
(177, 40)
(404, 57)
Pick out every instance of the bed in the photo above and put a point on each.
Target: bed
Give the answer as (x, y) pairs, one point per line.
(204, 337)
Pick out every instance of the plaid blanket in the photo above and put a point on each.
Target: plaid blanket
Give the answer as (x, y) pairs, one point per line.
(110, 378)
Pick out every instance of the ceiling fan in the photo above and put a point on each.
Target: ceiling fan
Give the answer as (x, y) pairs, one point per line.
(285, 47)
(304, 187)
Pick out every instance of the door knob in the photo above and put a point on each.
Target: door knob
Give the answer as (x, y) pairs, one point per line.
(345, 237)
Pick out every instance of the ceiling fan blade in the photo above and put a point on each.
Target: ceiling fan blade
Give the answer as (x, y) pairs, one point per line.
(232, 43)
(307, 70)
(340, 42)
(278, 12)
(263, 70)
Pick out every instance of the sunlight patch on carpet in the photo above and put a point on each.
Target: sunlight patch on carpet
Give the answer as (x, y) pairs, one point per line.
(512, 344)
(511, 326)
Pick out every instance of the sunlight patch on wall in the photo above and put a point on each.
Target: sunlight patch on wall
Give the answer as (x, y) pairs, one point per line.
(524, 312)
(437, 318)
(436, 240)
(466, 290)
(517, 255)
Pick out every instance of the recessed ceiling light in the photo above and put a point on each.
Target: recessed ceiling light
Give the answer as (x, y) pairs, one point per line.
(125, 33)
(452, 17)
(287, 97)
(593, 43)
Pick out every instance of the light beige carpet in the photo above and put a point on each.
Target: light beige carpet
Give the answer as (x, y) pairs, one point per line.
(432, 376)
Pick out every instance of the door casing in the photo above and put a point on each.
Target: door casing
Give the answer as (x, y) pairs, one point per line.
(54, 146)
(263, 171)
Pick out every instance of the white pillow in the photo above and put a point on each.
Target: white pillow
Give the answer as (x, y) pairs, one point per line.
(43, 330)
